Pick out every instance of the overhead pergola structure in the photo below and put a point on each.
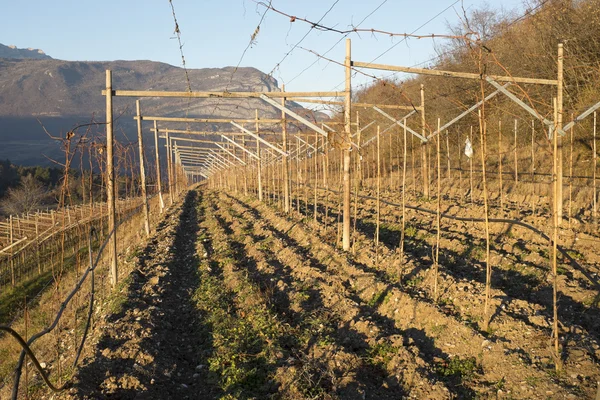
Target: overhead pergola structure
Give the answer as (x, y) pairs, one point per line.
(494, 81)
(224, 156)
(206, 163)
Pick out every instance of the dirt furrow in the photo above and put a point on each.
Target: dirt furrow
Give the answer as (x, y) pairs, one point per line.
(521, 295)
(442, 339)
(334, 359)
(359, 328)
(152, 342)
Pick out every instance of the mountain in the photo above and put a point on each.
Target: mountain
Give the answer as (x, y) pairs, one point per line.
(62, 94)
(14, 52)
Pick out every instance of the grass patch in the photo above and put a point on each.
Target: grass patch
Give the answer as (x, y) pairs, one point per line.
(378, 298)
(381, 354)
(457, 367)
(12, 298)
(118, 301)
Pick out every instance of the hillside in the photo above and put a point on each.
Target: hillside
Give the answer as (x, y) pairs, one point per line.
(61, 94)
(14, 52)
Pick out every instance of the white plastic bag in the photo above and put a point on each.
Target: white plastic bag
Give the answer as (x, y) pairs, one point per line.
(468, 148)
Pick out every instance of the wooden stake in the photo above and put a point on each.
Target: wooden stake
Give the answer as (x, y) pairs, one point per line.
(594, 169)
(460, 153)
(570, 210)
(110, 181)
(12, 263)
(403, 200)
(347, 123)
(438, 216)
(142, 170)
(390, 159)
(358, 181)
(316, 175)
(158, 179)
(285, 160)
(488, 275)
(448, 153)
(471, 165)
(377, 206)
(424, 161)
(533, 201)
(259, 166)
(555, 217)
(169, 166)
(500, 163)
(559, 122)
(298, 176)
(412, 158)
(516, 159)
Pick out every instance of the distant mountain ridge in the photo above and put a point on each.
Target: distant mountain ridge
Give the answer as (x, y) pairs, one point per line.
(14, 52)
(73, 88)
(62, 94)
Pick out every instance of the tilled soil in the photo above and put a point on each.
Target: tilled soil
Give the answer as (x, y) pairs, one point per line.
(235, 300)
(153, 347)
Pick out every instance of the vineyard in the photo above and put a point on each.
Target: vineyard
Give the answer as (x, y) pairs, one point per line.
(428, 240)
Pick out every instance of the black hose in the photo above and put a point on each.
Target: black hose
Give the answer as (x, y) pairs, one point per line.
(26, 345)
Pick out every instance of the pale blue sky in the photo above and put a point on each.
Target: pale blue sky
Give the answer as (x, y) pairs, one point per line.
(215, 33)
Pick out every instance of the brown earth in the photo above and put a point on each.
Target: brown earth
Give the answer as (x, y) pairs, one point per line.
(232, 299)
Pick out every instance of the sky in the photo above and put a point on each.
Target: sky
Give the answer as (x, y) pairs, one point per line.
(216, 33)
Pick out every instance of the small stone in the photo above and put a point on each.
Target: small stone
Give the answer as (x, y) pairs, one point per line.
(152, 381)
(195, 376)
(199, 367)
(184, 386)
(43, 365)
(485, 343)
(549, 392)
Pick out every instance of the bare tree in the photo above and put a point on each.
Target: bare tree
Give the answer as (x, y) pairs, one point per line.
(25, 198)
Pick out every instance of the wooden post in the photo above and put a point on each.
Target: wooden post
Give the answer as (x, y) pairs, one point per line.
(559, 120)
(245, 167)
(316, 174)
(12, 263)
(403, 200)
(110, 181)
(500, 163)
(438, 215)
(390, 158)
(412, 158)
(488, 278)
(305, 180)
(259, 162)
(448, 153)
(569, 211)
(516, 159)
(424, 161)
(555, 218)
(460, 171)
(347, 147)
(158, 180)
(298, 176)
(37, 242)
(169, 166)
(357, 181)
(472, 139)
(532, 167)
(285, 160)
(378, 205)
(142, 170)
(594, 168)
